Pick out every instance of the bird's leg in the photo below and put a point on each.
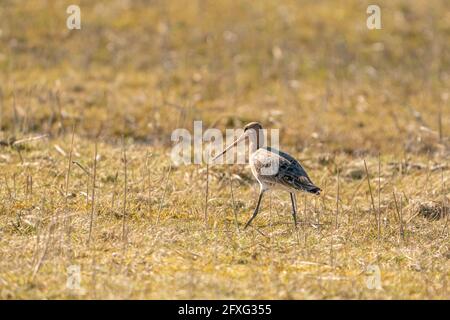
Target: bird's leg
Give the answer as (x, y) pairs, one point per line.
(256, 210)
(294, 210)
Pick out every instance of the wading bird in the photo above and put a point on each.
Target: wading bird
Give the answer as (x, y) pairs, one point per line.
(273, 169)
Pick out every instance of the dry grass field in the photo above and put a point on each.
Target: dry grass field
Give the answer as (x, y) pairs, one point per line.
(140, 227)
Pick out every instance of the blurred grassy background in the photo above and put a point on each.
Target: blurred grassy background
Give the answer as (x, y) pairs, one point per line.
(311, 68)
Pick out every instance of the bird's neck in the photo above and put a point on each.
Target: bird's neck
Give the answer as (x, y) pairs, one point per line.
(256, 141)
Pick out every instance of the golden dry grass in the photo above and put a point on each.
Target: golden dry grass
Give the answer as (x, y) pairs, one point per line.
(340, 94)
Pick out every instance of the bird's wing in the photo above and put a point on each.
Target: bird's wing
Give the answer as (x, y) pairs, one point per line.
(284, 170)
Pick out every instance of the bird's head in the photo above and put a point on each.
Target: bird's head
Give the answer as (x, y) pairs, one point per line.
(251, 130)
(253, 126)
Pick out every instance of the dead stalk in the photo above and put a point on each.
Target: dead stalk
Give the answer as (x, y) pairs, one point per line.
(440, 123)
(233, 204)
(30, 139)
(370, 190)
(91, 223)
(149, 185)
(38, 230)
(205, 214)
(8, 189)
(337, 199)
(399, 216)
(125, 187)
(1, 108)
(38, 265)
(164, 193)
(379, 197)
(66, 192)
(14, 186)
(336, 219)
(113, 196)
(444, 203)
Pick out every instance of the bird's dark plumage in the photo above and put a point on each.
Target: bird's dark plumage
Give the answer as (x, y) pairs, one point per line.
(290, 173)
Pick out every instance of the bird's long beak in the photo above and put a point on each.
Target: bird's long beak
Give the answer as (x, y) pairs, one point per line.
(242, 137)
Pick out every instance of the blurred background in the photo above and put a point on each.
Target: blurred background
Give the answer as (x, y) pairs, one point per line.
(311, 68)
